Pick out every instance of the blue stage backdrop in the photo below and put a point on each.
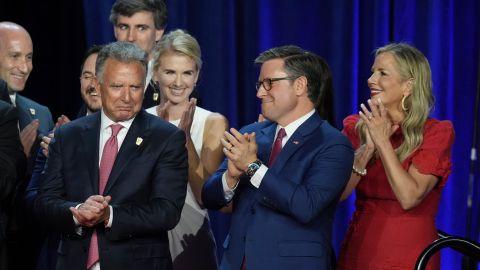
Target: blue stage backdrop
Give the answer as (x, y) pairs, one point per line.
(232, 33)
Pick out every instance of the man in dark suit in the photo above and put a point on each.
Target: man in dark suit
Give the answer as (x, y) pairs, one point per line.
(141, 22)
(114, 210)
(34, 121)
(12, 166)
(16, 54)
(285, 175)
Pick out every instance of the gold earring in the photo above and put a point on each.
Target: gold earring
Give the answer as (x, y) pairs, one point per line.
(403, 104)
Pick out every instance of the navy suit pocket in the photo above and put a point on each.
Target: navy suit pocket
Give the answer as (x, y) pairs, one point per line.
(150, 251)
(301, 249)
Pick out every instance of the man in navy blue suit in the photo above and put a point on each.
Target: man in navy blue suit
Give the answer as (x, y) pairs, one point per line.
(284, 176)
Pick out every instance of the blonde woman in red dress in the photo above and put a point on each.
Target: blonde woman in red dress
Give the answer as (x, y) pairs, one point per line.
(402, 162)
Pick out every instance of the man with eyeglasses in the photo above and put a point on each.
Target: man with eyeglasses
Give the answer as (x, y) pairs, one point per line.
(284, 176)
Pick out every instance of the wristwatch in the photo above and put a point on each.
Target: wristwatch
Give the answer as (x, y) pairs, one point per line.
(253, 167)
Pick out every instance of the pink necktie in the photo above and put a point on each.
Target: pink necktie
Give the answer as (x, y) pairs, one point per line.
(277, 146)
(106, 163)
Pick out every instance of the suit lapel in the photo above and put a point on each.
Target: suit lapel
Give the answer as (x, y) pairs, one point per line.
(131, 147)
(296, 140)
(90, 140)
(25, 114)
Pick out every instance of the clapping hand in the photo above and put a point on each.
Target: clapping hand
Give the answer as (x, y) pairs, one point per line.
(378, 122)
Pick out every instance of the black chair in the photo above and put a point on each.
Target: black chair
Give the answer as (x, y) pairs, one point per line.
(465, 246)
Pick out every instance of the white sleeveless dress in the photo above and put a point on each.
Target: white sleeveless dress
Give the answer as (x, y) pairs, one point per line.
(192, 244)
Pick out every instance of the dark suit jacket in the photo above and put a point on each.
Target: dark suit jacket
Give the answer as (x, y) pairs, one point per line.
(12, 158)
(150, 94)
(287, 222)
(147, 184)
(12, 167)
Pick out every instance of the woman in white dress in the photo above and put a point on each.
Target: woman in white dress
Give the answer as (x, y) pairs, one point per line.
(177, 66)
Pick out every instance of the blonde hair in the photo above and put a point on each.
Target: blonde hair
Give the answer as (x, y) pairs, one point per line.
(178, 41)
(412, 65)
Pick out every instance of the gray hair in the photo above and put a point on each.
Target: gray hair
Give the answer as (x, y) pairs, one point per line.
(124, 52)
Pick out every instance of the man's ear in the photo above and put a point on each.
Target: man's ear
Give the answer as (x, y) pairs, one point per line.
(159, 34)
(301, 85)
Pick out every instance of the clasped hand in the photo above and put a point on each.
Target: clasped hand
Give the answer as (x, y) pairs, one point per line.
(378, 122)
(240, 149)
(93, 211)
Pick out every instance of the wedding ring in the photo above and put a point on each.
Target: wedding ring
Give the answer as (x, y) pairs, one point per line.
(370, 117)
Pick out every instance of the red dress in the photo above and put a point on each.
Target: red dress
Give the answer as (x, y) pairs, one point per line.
(381, 234)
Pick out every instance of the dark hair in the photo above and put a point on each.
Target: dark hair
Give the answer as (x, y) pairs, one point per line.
(95, 49)
(124, 52)
(300, 62)
(130, 7)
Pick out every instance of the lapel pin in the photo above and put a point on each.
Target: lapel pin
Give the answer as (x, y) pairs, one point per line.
(155, 96)
(296, 142)
(32, 111)
(139, 141)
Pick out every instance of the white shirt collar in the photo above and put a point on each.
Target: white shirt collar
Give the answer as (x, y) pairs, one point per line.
(149, 73)
(293, 126)
(13, 98)
(106, 122)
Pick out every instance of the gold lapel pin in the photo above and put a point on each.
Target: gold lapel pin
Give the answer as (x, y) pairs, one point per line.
(139, 141)
(155, 96)
(32, 111)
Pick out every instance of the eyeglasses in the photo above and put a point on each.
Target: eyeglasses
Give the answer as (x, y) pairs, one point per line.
(267, 83)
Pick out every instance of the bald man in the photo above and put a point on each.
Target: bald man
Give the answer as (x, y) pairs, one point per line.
(34, 121)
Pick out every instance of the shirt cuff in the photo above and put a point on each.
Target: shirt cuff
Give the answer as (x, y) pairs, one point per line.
(78, 227)
(110, 219)
(228, 192)
(257, 178)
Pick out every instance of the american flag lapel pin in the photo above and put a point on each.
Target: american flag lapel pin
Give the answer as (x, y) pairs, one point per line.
(139, 141)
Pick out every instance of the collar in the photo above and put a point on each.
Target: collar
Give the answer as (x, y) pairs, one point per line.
(106, 122)
(293, 126)
(149, 73)
(13, 98)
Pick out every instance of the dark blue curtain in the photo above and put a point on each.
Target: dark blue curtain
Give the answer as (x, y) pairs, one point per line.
(232, 33)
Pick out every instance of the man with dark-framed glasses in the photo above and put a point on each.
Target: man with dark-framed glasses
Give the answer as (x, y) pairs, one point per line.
(284, 176)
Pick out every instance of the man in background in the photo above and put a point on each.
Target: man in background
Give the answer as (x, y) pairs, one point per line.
(90, 95)
(141, 22)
